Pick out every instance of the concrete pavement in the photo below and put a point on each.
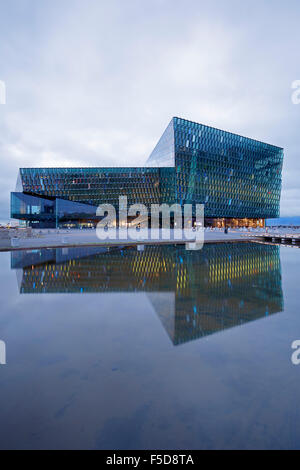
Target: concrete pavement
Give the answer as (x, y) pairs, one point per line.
(60, 238)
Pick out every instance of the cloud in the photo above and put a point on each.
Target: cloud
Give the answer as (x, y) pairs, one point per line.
(95, 83)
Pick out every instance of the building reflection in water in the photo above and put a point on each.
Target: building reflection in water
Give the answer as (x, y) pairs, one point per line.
(194, 293)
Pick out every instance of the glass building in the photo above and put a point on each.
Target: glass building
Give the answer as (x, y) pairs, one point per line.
(236, 178)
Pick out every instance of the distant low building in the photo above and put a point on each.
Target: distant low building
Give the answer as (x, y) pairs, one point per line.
(283, 222)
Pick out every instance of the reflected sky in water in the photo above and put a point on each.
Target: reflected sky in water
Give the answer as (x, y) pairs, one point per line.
(160, 348)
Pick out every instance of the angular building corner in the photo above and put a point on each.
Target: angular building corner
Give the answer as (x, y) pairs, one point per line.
(238, 180)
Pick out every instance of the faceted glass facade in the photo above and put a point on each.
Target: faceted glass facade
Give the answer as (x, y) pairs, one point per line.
(233, 176)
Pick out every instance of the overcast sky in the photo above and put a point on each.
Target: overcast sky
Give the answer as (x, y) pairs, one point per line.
(92, 82)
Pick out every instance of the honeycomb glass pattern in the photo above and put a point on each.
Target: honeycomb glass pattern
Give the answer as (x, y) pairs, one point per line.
(94, 186)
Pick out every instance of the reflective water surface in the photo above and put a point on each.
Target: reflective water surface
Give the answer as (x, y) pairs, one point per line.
(159, 348)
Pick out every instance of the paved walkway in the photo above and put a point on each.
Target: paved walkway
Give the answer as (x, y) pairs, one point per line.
(58, 238)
